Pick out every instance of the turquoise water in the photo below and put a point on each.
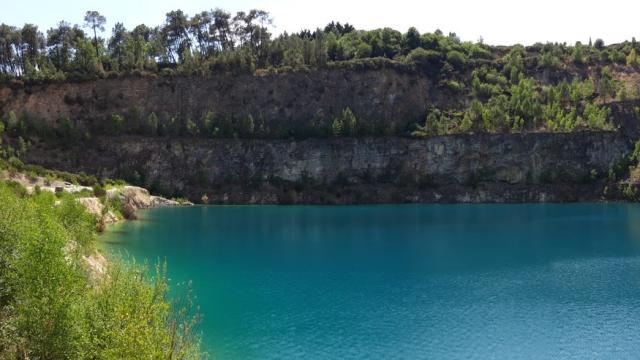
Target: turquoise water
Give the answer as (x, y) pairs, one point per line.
(406, 281)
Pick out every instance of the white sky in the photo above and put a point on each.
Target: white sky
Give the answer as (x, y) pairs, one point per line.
(499, 22)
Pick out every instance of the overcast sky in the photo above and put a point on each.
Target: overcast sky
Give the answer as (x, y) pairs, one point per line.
(498, 22)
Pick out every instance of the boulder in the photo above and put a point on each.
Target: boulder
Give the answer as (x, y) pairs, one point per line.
(92, 204)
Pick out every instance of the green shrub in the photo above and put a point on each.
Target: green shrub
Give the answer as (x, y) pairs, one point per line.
(99, 191)
(457, 59)
(52, 309)
(117, 123)
(429, 61)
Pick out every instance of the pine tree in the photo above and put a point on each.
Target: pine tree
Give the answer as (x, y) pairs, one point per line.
(607, 85)
(192, 128)
(349, 122)
(337, 127)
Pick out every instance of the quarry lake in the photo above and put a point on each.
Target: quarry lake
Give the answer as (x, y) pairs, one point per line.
(555, 281)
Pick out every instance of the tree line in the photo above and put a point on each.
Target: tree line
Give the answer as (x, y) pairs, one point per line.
(498, 82)
(213, 39)
(217, 40)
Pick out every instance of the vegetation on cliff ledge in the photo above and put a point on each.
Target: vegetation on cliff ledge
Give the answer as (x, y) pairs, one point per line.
(53, 305)
(543, 87)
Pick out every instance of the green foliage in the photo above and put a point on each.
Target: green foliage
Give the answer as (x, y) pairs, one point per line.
(12, 122)
(133, 319)
(514, 64)
(99, 191)
(472, 120)
(635, 155)
(66, 129)
(457, 59)
(607, 85)
(596, 117)
(117, 123)
(350, 122)
(212, 42)
(617, 56)
(345, 125)
(192, 128)
(578, 54)
(429, 61)
(86, 64)
(437, 123)
(495, 114)
(477, 51)
(487, 83)
(632, 58)
(50, 306)
(337, 127)
(525, 104)
(549, 60)
(452, 85)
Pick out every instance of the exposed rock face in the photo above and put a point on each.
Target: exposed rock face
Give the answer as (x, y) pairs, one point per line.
(159, 201)
(139, 198)
(134, 196)
(284, 100)
(465, 168)
(98, 265)
(95, 207)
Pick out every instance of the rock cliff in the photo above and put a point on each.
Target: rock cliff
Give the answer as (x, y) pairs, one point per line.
(455, 168)
(288, 100)
(464, 168)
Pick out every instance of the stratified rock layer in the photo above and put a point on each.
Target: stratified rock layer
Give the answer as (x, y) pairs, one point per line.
(465, 168)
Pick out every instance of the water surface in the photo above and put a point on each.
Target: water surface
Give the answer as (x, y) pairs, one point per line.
(406, 281)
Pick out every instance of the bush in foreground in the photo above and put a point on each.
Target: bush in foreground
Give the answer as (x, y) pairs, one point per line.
(52, 308)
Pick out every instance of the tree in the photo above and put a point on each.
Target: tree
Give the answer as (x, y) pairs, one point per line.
(192, 128)
(152, 124)
(473, 117)
(319, 49)
(221, 29)
(337, 127)
(607, 85)
(95, 21)
(199, 26)
(632, 58)
(524, 103)
(116, 44)
(85, 60)
(117, 124)
(12, 121)
(32, 42)
(176, 35)
(349, 122)
(61, 43)
(411, 40)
